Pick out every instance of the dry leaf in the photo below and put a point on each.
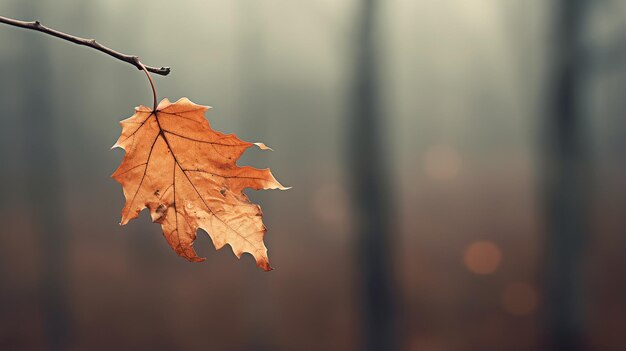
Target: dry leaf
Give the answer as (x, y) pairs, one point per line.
(185, 173)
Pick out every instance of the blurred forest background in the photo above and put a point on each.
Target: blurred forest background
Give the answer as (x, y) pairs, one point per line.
(458, 173)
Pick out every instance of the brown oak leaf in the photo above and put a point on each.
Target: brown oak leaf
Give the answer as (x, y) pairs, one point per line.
(186, 174)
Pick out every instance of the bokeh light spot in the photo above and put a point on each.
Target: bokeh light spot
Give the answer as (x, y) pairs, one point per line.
(482, 257)
(329, 203)
(442, 163)
(520, 299)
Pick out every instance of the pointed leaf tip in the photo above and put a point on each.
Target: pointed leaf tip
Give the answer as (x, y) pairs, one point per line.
(263, 146)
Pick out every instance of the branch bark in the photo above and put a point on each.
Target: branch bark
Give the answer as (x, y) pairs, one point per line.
(92, 43)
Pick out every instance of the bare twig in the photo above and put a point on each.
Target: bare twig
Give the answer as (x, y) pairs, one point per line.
(92, 43)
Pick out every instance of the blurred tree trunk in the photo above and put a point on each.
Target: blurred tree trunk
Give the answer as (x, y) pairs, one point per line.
(370, 191)
(253, 110)
(566, 182)
(43, 182)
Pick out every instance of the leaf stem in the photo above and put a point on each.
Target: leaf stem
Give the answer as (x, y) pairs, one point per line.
(92, 43)
(154, 93)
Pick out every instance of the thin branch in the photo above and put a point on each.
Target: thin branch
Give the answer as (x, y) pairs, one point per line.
(92, 43)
